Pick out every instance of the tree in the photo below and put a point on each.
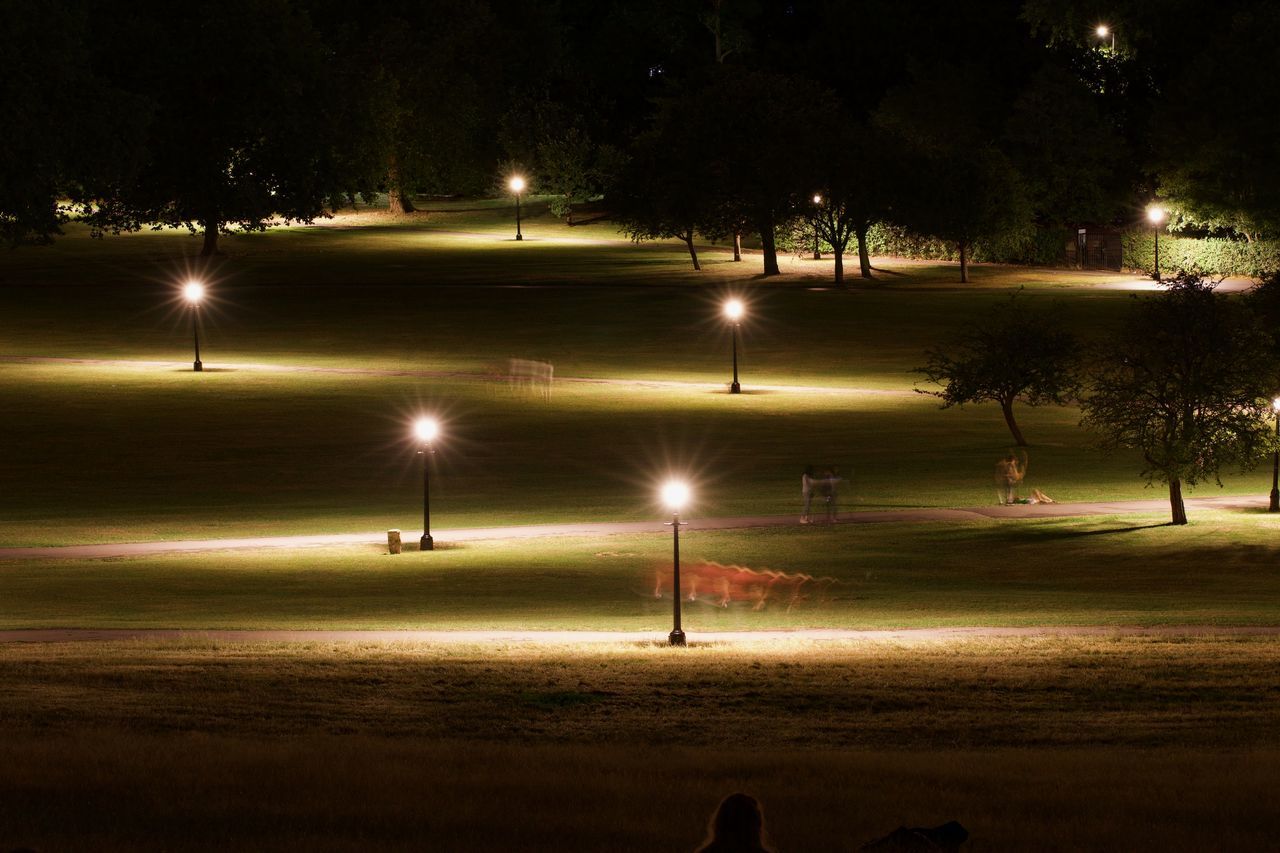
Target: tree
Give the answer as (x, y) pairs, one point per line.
(855, 175)
(760, 165)
(1016, 354)
(64, 123)
(1217, 152)
(962, 187)
(1188, 382)
(1066, 152)
(664, 191)
(239, 133)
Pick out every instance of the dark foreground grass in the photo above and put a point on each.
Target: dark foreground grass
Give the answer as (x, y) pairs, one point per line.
(1068, 744)
(1123, 570)
(119, 791)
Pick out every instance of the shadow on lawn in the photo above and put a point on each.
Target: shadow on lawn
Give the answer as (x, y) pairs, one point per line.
(1106, 531)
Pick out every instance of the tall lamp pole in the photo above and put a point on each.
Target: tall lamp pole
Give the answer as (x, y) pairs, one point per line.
(817, 200)
(426, 430)
(517, 187)
(1156, 215)
(193, 291)
(1275, 462)
(733, 309)
(675, 495)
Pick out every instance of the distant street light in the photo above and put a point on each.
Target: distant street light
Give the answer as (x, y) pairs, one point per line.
(1156, 215)
(1275, 462)
(1103, 32)
(426, 430)
(675, 495)
(817, 201)
(193, 292)
(733, 310)
(517, 187)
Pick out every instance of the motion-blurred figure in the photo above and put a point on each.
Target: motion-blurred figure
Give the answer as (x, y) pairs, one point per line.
(806, 493)
(1009, 473)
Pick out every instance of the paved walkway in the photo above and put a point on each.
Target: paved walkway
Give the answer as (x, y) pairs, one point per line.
(609, 528)
(575, 638)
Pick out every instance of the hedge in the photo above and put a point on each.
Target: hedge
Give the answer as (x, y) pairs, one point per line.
(1214, 256)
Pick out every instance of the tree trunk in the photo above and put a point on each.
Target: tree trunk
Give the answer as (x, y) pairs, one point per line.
(839, 267)
(737, 245)
(864, 259)
(1007, 409)
(693, 253)
(769, 247)
(210, 246)
(964, 263)
(1175, 502)
(397, 201)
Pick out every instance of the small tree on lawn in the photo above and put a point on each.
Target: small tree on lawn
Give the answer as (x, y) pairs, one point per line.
(1188, 382)
(1015, 354)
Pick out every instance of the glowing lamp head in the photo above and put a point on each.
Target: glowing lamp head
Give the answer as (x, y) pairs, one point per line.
(1103, 31)
(426, 429)
(675, 495)
(516, 184)
(193, 292)
(733, 309)
(1275, 404)
(817, 198)
(1156, 214)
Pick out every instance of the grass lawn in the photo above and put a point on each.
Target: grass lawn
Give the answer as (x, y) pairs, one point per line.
(1032, 744)
(1118, 743)
(1098, 571)
(127, 451)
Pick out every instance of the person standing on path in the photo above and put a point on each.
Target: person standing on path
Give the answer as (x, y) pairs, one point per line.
(806, 494)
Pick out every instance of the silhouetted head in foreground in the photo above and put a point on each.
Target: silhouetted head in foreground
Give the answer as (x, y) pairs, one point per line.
(736, 827)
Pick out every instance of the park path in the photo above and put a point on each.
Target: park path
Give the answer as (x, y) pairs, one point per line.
(230, 366)
(610, 528)
(578, 638)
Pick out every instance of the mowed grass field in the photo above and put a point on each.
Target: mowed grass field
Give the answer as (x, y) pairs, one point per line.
(1118, 570)
(322, 343)
(267, 442)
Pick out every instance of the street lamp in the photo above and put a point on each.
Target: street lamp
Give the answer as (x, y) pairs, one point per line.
(817, 201)
(675, 495)
(193, 292)
(517, 186)
(1156, 215)
(426, 430)
(1275, 462)
(1103, 32)
(733, 310)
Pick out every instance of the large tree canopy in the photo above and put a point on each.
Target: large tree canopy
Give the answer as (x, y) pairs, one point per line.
(239, 131)
(1188, 382)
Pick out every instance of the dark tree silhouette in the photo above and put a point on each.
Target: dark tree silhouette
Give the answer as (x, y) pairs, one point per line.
(1188, 382)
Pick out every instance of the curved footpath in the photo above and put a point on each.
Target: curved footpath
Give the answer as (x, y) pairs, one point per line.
(609, 528)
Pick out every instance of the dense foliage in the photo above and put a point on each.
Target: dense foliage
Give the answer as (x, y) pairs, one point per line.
(230, 116)
(1188, 382)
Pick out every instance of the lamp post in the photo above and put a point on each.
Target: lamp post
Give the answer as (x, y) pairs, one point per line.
(193, 292)
(1275, 462)
(817, 201)
(1103, 32)
(426, 430)
(675, 495)
(1156, 215)
(733, 310)
(517, 187)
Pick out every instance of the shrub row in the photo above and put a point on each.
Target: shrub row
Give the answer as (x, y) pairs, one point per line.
(1212, 256)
